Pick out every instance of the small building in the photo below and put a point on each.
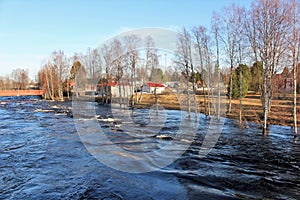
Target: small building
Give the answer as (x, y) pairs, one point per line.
(114, 89)
(150, 87)
(283, 83)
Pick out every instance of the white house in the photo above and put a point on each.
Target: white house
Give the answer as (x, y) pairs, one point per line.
(150, 87)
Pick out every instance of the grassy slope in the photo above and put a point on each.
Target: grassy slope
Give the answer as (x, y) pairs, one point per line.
(281, 111)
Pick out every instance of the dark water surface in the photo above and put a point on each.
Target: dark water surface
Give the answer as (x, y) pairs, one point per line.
(42, 157)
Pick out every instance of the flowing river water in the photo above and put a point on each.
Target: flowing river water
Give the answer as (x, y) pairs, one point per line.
(42, 156)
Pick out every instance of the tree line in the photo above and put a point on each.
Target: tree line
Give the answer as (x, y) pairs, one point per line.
(17, 80)
(267, 34)
(118, 61)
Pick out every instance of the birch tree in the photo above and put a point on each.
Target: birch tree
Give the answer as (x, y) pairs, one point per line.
(238, 12)
(61, 66)
(229, 38)
(150, 54)
(93, 67)
(215, 31)
(200, 35)
(107, 54)
(118, 67)
(184, 50)
(131, 42)
(20, 78)
(268, 31)
(294, 42)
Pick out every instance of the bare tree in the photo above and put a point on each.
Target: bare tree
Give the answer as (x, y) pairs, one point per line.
(7, 83)
(107, 54)
(227, 34)
(131, 42)
(93, 65)
(184, 60)
(151, 54)
(118, 66)
(208, 75)
(48, 74)
(294, 42)
(269, 21)
(215, 30)
(61, 66)
(200, 36)
(239, 13)
(20, 78)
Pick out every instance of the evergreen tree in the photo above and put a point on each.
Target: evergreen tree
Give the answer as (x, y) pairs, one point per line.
(256, 77)
(246, 79)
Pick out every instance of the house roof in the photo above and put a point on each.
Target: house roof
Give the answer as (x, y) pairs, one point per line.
(108, 84)
(152, 84)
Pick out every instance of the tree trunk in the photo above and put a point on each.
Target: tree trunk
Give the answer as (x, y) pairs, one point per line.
(208, 91)
(295, 100)
(295, 55)
(241, 94)
(204, 99)
(141, 94)
(265, 103)
(219, 97)
(156, 103)
(230, 89)
(188, 100)
(120, 93)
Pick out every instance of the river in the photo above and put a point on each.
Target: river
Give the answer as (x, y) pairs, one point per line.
(44, 156)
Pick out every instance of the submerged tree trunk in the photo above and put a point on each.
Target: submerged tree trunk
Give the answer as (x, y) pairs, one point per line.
(194, 89)
(295, 47)
(188, 100)
(241, 94)
(295, 100)
(208, 90)
(266, 101)
(230, 89)
(120, 93)
(219, 96)
(156, 102)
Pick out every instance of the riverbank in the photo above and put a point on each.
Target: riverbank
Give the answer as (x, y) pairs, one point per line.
(281, 110)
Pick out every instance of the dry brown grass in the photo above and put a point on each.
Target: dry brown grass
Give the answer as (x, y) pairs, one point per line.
(281, 111)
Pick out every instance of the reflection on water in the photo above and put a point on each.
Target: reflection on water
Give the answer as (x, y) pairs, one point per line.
(42, 156)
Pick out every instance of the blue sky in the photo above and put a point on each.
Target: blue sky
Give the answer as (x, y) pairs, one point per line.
(30, 30)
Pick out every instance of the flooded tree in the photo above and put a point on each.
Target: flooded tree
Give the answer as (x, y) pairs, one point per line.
(131, 42)
(267, 30)
(294, 47)
(151, 54)
(215, 30)
(184, 46)
(242, 44)
(93, 65)
(107, 54)
(118, 65)
(53, 74)
(47, 78)
(200, 36)
(156, 73)
(228, 37)
(61, 66)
